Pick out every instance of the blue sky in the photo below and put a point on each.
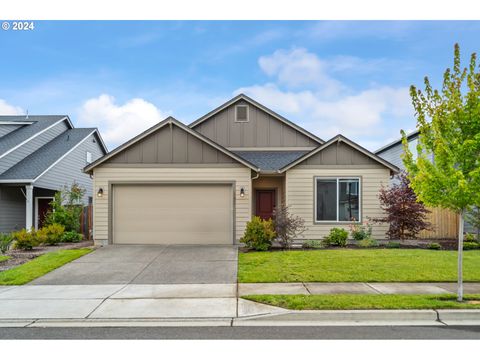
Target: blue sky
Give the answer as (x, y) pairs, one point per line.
(348, 77)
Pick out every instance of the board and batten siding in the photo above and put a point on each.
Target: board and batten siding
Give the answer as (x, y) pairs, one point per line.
(103, 175)
(69, 169)
(300, 193)
(31, 146)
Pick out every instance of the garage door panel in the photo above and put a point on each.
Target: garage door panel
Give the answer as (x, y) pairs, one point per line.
(172, 214)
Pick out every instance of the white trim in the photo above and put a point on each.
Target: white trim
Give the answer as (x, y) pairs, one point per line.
(304, 148)
(27, 181)
(28, 207)
(16, 122)
(337, 179)
(36, 207)
(236, 113)
(34, 136)
(64, 155)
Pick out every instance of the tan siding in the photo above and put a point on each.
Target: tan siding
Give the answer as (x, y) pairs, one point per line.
(300, 197)
(104, 175)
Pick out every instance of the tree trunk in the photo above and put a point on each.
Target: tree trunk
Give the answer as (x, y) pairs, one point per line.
(460, 257)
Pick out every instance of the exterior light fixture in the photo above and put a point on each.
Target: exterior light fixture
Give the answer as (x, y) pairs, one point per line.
(100, 193)
(242, 192)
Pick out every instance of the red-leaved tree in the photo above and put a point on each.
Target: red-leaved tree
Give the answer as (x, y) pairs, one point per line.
(405, 215)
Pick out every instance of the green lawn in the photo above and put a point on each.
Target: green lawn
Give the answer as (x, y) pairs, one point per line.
(3, 258)
(40, 266)
(351, 302)
(364, 265)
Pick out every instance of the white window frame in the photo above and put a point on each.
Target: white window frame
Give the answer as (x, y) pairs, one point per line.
(88, 155)
(338, 198)
(248, 113)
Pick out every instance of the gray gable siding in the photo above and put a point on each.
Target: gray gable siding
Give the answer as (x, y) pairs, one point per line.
(262, 130)
(393, 155)
(170, 145)
(70, 168)
(7, 129)
(31, 146)
(12, 209)
(339, 153)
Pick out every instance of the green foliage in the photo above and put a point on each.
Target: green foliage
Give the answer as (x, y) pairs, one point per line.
(5, 242)
(287, 226)
(393, 245)
(470, 237)
(67, 208)
(259, 234)
(52, 233)
(434, 246)
(368, 243)
(336, 237)
(25, 240)
(71, 236)
(360, 232)
(449, 125)
(313, 244)
(468, 245)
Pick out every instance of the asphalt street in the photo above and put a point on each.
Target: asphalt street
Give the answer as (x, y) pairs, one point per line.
(254, 333)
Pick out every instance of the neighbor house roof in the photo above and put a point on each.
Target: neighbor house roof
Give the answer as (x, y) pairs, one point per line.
(34, 126)
(169, 120)
(37, 163)
(410, 136)
(346, 141)
(264, 108)
(270, 160)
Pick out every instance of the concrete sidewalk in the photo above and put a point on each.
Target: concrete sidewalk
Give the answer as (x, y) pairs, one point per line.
(353, 288)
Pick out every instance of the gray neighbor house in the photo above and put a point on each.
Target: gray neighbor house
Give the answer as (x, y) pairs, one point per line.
(39, 155)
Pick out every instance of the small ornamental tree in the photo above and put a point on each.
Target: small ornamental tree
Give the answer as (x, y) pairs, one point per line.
(67, 207)
(287, 226)
(449, 124)
(406, 216)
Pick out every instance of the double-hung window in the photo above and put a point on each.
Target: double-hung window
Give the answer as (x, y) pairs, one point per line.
(337, 199)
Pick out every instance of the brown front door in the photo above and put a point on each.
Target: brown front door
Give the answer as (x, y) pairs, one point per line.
(43, 208)
(265, 203)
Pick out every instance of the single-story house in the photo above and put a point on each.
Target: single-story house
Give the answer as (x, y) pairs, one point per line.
(201, 184)
(39, 155)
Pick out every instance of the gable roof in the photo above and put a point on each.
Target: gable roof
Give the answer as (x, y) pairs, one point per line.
(412, 135)
(270, 161)
(36, 164)
(346, 141)
(33, 126)
(260, 106)
(169, 120)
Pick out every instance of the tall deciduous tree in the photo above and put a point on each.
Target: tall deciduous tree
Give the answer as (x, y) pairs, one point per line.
(449, 125)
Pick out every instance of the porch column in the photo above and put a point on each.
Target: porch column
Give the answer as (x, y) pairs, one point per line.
(28, 207)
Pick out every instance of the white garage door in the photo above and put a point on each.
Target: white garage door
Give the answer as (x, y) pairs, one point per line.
(172, 214)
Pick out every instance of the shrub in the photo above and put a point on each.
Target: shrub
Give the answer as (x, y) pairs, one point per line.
(336, 237)
(434, 246)
(25, 240)
(405, 215)
(367, 243)
(470, 237)
(258, 234)
(72, 236)
(53, 233)
(360, 232)
(66, 208)
(5, 242)
(470, 245)
(393, 245)
(287, 226)
(313, 244)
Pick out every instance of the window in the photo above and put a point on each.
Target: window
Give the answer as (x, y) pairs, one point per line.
(337, 199)
(89, 157)
(412, 146)
(241, 113)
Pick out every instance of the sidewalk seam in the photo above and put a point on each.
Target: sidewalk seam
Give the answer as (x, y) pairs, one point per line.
(306, 288)
(438, 317)
(373, 288)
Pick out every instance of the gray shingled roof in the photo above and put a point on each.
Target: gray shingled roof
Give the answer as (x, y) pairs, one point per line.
(39, 123)
(36, 163)
(270, 160)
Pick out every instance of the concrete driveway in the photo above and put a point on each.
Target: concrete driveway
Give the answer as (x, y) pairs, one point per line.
(145, 264)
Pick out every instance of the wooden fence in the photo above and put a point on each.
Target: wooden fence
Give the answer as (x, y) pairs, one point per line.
(444, 225)
(86, 222)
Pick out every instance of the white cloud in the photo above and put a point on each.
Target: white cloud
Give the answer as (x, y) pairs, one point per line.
(119, 123)
(7, 109)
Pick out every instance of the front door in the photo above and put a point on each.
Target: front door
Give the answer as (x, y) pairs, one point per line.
(265, 203)
(43, 207)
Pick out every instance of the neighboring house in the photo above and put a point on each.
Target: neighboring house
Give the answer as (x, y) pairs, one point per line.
(201, 184)
(39, 155)
(392, 152)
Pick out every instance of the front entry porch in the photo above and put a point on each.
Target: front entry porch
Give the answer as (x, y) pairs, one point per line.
(268, 192)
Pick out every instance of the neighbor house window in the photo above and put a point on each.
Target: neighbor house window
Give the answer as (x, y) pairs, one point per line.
(89, 157)
(241, 113)
(337, 199)
(412, 146)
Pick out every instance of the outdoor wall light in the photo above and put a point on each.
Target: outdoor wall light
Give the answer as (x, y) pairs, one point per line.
(242, 192)
(100, 193)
